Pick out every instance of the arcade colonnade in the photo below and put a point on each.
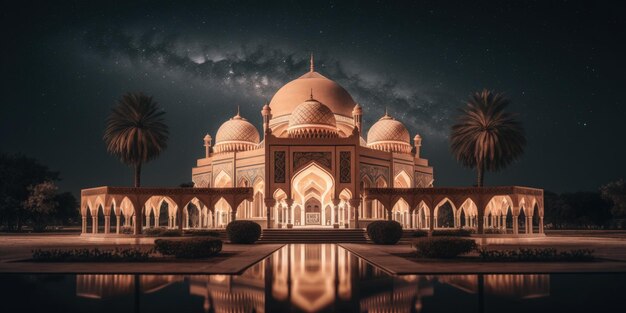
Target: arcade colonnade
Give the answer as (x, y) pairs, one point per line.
(487, 209)
(147, 203)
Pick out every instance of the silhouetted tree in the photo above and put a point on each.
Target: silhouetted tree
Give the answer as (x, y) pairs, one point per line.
(68, 210)
(41, 205)
(615, 193)
(486, 137)
(17, 173)
(136, 132)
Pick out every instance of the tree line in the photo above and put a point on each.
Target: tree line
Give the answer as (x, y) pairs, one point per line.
(601, 209)
(29, 196)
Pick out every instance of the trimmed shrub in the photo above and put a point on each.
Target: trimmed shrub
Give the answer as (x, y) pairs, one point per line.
(384, 232)
(243, 231)
(194, 248)
(536, 255)
(201, 232)
(452, 232)
(161, 232)
(126, 230)
(443, 247)
(90, 255)
(419, 233)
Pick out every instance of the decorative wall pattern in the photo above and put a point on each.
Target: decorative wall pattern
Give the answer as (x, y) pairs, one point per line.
(423, 180)
(398, 167)
(345, 174)
(226, 167)
(373, 172)
(201, 180)
(279, 166)
(302, 158)
(251, 174)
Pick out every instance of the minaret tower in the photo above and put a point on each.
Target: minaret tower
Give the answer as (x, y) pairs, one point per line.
(266, 112)
(207, 146)
(357, 114)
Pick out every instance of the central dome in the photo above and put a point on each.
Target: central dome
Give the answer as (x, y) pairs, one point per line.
(287, 98)
(312, 119)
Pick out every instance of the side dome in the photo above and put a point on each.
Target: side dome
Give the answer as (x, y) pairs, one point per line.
(335, 97)
(389, 135)
(312, 119)
(236, 134)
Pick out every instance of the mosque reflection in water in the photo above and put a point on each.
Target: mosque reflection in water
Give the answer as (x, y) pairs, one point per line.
(314, 278)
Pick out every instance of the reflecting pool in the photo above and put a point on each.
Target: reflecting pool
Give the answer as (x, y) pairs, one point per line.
(312, 278)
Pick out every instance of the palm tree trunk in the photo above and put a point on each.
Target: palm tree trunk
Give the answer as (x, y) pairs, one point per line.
(481, 174)
(138, 175)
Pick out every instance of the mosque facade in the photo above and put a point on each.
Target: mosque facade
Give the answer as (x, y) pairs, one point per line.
(311, 161)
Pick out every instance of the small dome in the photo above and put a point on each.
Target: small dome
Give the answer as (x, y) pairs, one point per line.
(389, 135)
(236, 134)
(310, 119)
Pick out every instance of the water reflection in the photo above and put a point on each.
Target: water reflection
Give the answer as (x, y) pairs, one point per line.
(313, 278)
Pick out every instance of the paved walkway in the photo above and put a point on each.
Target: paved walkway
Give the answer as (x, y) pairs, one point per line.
(399, 259)
(16, 250)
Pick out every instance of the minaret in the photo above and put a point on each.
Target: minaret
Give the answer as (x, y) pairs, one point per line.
(266, 112)
(357, 114)
(417, 142)
(312, 66)
(207, 146)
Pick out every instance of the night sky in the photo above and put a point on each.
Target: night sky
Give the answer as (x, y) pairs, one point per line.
(562, 64)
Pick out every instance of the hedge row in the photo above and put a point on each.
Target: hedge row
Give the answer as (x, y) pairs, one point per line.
(443, 247)
(443, 233)
(91, 255)
(188, 248)
(536, 255)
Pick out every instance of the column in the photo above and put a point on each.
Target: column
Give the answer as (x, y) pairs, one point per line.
(430, 221)
(529, 224)
(541, 224)
(84, 226)
(233, 213)
(147, 220)
(94, 224)
(269, 204)
(467, 221)
(515, 224)
(107, 224)
(117, 223)
(355, 204)
(136, 230)
(503, 222)
(412, 216)
(335, 215)
(289, 212)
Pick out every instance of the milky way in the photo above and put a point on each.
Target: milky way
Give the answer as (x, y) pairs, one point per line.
(560, 63)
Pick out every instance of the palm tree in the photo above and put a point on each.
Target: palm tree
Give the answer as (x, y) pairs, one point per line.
(135, 131)
(485, 136)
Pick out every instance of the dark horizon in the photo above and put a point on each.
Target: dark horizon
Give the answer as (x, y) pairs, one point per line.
(561, 64)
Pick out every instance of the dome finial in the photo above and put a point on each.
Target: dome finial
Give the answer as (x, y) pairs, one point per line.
(312, 69)
(238, 110)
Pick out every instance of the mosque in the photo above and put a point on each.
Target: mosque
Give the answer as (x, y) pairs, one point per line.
(313, 167)
(313, 160)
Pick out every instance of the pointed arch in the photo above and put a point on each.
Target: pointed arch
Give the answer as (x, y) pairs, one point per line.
(222, 179)
(402, 180)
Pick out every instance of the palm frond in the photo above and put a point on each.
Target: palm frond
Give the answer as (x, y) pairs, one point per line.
(136, 131)
(485, 134)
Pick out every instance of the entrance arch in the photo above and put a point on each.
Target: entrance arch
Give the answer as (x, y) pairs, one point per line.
(312, 189)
